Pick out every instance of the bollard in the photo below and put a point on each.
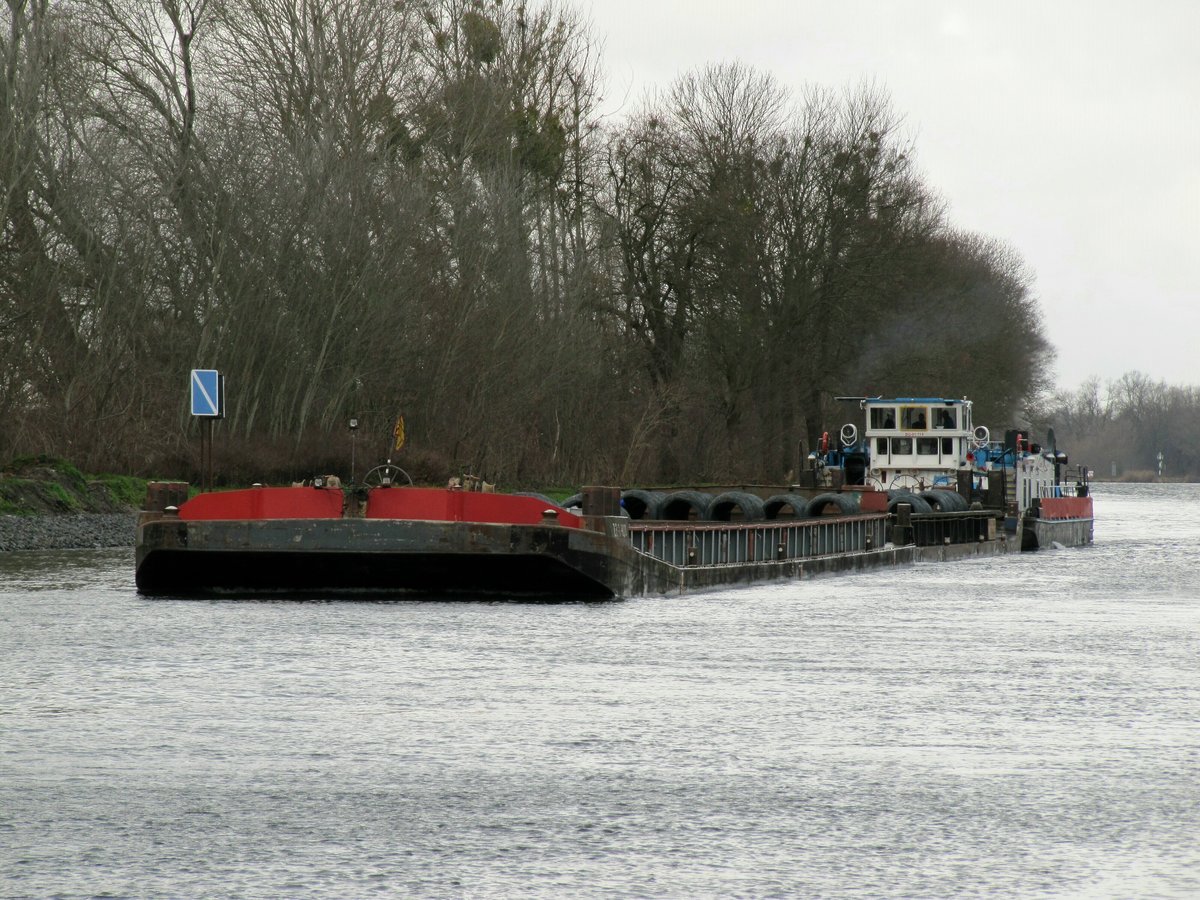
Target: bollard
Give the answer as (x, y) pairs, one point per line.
(902, 531)
(601, 501)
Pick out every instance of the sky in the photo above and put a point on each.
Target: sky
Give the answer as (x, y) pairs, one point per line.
(1069, 130)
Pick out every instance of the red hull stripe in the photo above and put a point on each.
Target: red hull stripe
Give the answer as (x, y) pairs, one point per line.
(423, 504)
(438, 505)
(1066, 507)
(264, 503)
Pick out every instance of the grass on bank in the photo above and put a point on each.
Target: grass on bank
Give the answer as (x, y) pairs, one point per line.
(47, 485)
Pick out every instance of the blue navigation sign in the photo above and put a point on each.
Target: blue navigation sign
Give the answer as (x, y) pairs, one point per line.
(208, 393)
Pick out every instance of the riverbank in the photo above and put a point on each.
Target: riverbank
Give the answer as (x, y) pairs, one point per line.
(48, 504)
(77, 531)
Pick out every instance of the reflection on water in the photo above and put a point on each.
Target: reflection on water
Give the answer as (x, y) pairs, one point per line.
(1013, 726)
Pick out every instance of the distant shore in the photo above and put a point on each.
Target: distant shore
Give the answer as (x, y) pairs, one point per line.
(1144, 478)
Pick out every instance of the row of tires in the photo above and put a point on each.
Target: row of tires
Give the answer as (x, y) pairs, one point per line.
(731, 506)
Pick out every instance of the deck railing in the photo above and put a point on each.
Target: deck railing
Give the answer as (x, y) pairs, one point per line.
(931, 529)
(1066, 489)
(733, 543)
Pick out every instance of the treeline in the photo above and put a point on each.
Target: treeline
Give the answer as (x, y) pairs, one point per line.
(1120, 428)
(359, 208)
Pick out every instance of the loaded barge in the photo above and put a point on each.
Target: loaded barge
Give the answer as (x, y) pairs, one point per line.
(905, 492)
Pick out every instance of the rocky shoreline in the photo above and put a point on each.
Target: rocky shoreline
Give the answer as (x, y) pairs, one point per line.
(68, 532)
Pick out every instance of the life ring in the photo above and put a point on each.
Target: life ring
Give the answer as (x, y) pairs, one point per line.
(825, 442)
(982, 436)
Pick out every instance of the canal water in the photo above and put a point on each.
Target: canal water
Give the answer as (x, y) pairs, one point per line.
(1022, 726)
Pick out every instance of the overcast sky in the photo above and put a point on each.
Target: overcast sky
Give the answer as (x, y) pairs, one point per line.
(1070, 130)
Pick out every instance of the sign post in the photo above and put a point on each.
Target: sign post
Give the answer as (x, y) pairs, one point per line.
(208, 403)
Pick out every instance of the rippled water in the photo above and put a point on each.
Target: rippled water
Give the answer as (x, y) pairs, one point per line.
(1022, 726)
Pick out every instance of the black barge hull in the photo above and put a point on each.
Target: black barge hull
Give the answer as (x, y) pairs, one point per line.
(338, 556)
(1042, 534)
(291, 557)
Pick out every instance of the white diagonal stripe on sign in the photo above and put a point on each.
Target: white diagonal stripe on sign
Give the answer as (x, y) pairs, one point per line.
(199, 382)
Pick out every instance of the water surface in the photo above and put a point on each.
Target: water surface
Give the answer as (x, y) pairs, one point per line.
(1022, 726)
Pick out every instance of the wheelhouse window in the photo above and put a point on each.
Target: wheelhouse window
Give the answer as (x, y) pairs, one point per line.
(914, 418)
(883, 417)
(945, 417)
(881, 446)
(927, 446)
(902, 446)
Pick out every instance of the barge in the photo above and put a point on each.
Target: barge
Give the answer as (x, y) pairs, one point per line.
(429, 541)
(901, 494)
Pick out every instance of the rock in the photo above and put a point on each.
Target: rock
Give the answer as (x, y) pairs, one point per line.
(68, 532)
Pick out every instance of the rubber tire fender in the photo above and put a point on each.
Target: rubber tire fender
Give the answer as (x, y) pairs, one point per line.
(682, 506)
(642, 504)
(845, 504)
(945, 501)
(919, 505)
(723, 505)
(774, 505)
